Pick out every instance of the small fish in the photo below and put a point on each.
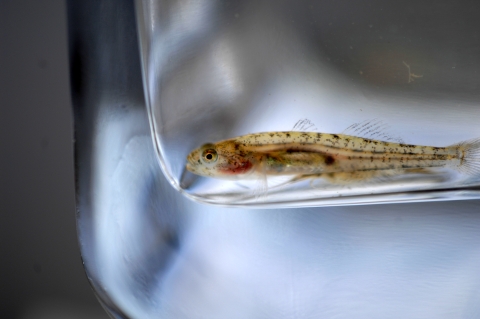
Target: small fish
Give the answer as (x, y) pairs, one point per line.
(339, 158)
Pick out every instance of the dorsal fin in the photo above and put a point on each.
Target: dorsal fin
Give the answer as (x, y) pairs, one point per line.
(304, 125)
(372, 129)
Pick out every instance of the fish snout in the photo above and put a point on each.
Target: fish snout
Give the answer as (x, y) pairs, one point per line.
(192, 162)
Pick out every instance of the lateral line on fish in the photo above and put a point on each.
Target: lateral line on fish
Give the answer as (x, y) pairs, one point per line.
(320, 147)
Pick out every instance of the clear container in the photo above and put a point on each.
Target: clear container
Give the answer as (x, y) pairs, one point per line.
(215, 70)
(150, 252)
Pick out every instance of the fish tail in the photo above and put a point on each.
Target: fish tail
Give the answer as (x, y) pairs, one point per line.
(468, 157)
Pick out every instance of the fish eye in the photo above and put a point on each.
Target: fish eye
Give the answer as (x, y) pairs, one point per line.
(209, 155)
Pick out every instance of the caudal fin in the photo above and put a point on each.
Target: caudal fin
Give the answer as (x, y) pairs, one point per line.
(468, 156)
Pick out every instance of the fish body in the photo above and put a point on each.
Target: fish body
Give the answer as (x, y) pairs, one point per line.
(302, 154)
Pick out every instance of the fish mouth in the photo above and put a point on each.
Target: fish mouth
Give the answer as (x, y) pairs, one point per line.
(191, 164)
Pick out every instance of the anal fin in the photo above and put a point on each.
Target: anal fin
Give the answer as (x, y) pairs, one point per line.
(359, 177)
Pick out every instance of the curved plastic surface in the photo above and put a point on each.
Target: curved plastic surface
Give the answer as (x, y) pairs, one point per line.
(151, 253)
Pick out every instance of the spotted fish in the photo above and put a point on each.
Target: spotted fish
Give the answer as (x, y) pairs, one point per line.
(339, 158)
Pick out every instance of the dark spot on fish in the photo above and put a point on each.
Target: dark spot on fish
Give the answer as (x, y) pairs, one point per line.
(319, 135)
(272, 134)
(336, 136)
(329, 160)
(287, 134)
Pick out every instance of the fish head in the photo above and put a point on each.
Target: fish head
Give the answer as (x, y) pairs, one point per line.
(220, 160)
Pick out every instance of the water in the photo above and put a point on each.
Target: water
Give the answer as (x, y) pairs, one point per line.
(150, 252)
(219, 69)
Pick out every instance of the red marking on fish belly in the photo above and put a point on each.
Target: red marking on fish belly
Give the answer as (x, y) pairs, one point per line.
(237, 168)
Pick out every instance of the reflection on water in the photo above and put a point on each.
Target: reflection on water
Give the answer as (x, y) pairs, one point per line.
(152, 253)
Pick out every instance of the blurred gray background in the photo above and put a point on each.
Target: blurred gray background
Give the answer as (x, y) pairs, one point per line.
(41, 270)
